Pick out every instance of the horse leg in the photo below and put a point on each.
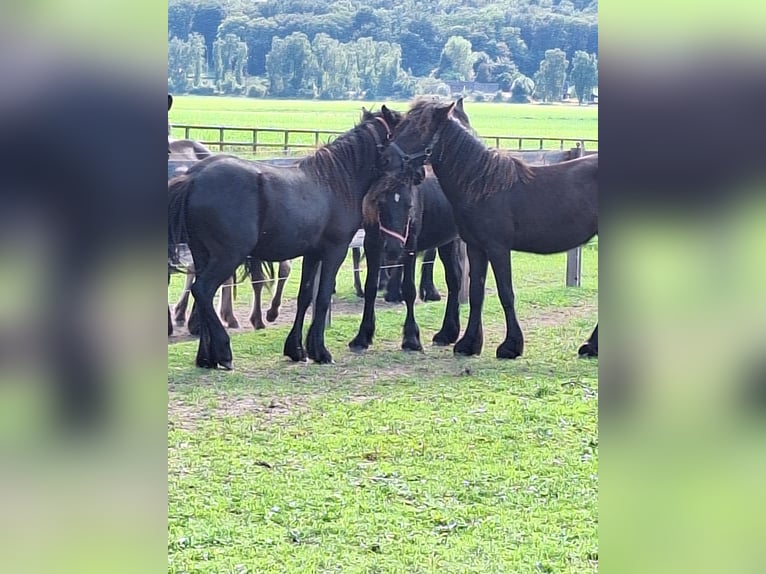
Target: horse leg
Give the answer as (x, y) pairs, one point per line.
(473, 338)
(183, 301)
(214, 348)
(170, 321)
(372, 249)
(590, 348)
(227, 306)
(394, 285)
(257, 278)
(513, 345)
(450, 330)
(356, 258)
(428, 291)
(294, 343)
(331, 262)
(384, 276)
(411, 339)
(283, 273)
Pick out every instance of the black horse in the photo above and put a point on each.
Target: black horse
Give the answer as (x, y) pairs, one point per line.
(180, 153)
(230, 208)
(500, 204)
(401, 218)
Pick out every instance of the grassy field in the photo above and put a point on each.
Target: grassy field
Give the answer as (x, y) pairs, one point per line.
(390, 461)
(489, 119)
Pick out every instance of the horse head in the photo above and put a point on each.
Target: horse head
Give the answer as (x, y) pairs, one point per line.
(417, 135)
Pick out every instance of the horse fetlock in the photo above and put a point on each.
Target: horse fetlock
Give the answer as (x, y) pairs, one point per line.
(588, 350)
(272, 314)
(430, 294)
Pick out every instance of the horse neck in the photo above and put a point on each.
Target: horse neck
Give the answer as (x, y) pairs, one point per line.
(449, 167)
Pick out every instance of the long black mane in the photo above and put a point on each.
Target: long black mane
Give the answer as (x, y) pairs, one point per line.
(481, 171)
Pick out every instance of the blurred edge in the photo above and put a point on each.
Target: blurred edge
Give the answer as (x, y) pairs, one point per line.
(82, 387)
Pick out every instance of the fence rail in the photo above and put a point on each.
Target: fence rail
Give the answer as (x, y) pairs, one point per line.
(287, 142)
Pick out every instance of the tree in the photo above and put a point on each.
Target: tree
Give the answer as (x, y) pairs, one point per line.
(584, 74)
(550, 77)
(230, 61)
(457, 58)
(291, 66)
(522, 88)
(179, 65)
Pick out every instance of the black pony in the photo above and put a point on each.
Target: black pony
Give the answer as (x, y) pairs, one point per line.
(401, 218)
(500, 204)
(230, 208)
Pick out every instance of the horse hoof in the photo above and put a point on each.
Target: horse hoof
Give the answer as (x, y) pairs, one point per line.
(233, 325)
(226, 365)
(359, 345)
(258, 326)
(587, 351)
(507, 353)
(443, 340)
(430, 296)
(324, 358)
(413, 346)
(467, 348)
(272, 316)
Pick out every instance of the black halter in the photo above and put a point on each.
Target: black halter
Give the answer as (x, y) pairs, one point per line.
(407, 159)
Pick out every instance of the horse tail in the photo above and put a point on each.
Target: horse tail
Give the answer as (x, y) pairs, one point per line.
(259, 271)
(179, 189)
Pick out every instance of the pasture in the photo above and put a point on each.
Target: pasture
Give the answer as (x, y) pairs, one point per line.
(390, 461)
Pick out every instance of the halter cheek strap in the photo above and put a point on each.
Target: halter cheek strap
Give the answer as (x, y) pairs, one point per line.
(394, 234)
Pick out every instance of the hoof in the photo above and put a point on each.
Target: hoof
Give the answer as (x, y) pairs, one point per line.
(430, 296)
(226, 365)
(258, 325)
(442, 339)
(413, 346)
(392, 298)
(359, 344)
(271, 316)
(508, 351)
(467, 348)
(323, 358)
(296, 354)
(233, 324)
(587, 351)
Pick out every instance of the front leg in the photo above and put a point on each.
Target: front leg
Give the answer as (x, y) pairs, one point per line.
(453, 273)
(590, 348)
(372, 249)
(294, 343)
(411, 340)
(473, 338)
(513, 345)
(428, 291)
(315, 337)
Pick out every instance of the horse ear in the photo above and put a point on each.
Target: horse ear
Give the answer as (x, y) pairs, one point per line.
(388, 114)
(366, 114)
(170, 101)
(459, 104)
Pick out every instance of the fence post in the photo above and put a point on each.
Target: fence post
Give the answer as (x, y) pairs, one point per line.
(574, 266)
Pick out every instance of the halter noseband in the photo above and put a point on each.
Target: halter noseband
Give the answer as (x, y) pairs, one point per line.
(394, 234)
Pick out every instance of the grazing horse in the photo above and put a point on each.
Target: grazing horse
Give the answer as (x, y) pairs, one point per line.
(180, 153)
(229, 208)
(500, 204)
(401, 218)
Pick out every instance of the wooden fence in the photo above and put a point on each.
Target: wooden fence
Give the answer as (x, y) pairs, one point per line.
(263, 142)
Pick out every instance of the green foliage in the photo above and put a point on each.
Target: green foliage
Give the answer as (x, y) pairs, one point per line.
(550, 77)
(457, 60)
(584, 74)
(511, 38)
(522, 88)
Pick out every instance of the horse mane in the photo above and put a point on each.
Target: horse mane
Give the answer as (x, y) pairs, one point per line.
(482, 171)
(335, 163)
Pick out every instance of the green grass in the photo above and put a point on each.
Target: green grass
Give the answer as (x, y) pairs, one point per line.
(390, 461)
(489, 119)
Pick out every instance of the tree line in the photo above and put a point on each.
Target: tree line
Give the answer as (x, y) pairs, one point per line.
(346, 48)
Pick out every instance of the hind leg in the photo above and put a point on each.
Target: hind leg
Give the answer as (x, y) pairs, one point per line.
(315, 345)
(282, 274)
(214, 348)
(428, 291)
(411, 331)
(394, 285)
(257, 278)
(183, 301)
(227, 306)
(590, 348)
(363, 339)
(356, 259)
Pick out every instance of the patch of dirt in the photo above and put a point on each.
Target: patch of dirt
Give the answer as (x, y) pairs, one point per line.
(552, 317)
(187, 416)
